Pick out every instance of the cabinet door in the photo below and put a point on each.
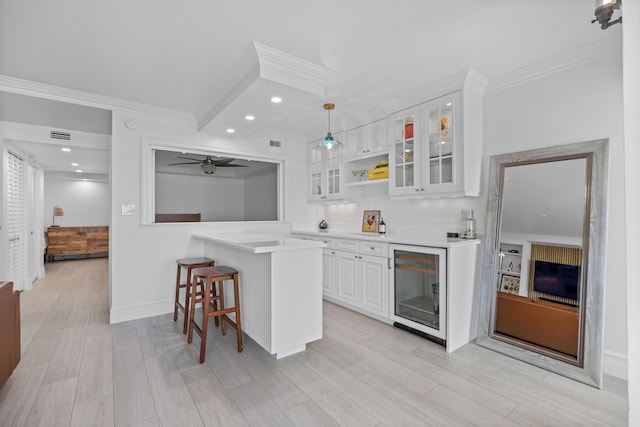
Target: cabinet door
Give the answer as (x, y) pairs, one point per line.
(404, 168)
(377, 137)
(334, 172)
(328, 272)
(442, 147)
(375, 284)
(316, 172)
(348, 275)
(325, 172)
(355, 144)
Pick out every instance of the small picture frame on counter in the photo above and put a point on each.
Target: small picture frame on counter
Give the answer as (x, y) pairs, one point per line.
(370, 221)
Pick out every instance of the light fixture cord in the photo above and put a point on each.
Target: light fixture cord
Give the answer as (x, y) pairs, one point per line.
(329, 122)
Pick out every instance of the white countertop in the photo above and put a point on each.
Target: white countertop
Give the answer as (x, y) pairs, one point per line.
(259, 243)
(397, 238)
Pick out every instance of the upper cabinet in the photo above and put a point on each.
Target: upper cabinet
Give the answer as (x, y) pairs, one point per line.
(436, 147)
(326, 178)
(367, 141)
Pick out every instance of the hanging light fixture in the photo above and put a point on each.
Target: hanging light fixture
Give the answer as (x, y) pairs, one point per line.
(328, 143)
(604, 13)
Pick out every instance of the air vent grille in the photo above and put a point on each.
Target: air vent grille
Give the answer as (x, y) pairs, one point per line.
(60, 135)
(275, 144)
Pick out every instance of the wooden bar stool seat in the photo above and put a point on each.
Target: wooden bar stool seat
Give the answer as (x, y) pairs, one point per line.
(189, 264)
(213, 304)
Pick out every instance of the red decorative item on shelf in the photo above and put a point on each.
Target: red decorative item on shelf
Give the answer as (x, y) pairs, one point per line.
(408, 131)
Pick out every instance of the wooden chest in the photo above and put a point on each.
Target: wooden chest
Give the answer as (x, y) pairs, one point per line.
(77, 241)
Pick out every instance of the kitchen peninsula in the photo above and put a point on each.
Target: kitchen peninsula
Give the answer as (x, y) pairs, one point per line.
(280, 286)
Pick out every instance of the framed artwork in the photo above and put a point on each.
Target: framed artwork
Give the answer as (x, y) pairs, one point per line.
(370, 221)
(510, 284)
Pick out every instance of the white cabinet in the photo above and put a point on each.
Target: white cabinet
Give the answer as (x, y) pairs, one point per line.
(426, 154)
(359, 279)
(326, 179)
(436, 147)
(368, 140)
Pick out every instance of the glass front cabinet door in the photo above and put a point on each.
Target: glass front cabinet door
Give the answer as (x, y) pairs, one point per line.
(404, 169)
(325, 172)
(442, 144)
(426, 151)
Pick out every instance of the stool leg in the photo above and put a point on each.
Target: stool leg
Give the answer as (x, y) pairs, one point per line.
(187, 300)
(223, 322)
(175, 304)
(205, 319)
(192, 310)
(237, 304)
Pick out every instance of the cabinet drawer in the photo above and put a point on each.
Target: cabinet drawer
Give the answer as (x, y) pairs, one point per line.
(347, 245)
(326, 241)
(374, 248)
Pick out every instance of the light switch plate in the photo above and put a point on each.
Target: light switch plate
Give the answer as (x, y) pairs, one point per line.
(128, 209)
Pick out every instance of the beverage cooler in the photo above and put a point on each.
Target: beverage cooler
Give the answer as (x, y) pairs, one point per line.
(419, 290)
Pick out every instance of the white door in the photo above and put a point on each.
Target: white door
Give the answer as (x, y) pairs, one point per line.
(15, 220)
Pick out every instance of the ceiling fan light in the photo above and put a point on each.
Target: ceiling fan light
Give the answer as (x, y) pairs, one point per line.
(208, 168)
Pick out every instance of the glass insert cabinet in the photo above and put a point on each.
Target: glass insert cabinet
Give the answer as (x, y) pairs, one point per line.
(325, 172)
(425, 156)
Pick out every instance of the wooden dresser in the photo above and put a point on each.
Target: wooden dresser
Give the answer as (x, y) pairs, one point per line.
(77, 241)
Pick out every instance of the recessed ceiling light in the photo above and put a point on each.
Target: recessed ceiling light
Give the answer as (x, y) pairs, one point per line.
(249, 117)
(79, 170)
(276, 100)
(65, 149)
(75, 164)
(231, 130)
(448, 104)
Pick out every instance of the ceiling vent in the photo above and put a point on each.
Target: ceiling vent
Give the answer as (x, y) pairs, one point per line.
(275, 144)
(60, 135)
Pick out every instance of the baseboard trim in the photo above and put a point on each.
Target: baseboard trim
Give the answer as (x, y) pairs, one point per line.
(139, 311)
(614, 364)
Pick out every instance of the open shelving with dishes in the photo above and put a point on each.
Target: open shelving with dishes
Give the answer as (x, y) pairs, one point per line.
(357, 171)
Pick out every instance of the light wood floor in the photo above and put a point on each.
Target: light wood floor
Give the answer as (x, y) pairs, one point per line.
(78, 370)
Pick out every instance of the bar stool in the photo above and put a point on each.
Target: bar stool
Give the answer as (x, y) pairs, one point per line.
(210, 297)
(189, 264)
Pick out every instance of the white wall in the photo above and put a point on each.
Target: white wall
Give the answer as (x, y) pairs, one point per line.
(84, 202)
(143, 257)
(259, 201)
(631, 70)
(217, 199)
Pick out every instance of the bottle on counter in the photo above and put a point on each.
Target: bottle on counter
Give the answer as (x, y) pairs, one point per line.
(382, 227)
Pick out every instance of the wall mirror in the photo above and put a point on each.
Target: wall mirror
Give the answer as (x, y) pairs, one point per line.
(543, 281)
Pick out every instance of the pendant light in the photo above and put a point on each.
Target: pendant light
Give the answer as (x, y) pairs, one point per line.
(604, 13)
(329, 143)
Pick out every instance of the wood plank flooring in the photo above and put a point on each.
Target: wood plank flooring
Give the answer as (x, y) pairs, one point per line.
(77, 370)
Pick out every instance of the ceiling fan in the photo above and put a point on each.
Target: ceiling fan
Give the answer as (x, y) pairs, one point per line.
(208, 164)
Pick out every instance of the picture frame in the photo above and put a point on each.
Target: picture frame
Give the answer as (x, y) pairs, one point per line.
(510, 284)
(370, 221)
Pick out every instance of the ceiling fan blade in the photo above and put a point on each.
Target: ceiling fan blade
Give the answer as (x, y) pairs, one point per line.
(223, 161)
(229, 166)
(185, 163)
(189, 158)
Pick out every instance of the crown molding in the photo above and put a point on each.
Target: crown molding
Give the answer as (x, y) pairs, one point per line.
(257, 62)
(26, 87)
(605, 47)
(438, 88)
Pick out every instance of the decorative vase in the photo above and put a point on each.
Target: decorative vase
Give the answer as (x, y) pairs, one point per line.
(323, 225)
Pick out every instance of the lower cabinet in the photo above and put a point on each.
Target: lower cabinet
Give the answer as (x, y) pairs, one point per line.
(361, 281)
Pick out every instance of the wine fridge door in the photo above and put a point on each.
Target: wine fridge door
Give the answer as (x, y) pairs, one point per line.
(419, 291)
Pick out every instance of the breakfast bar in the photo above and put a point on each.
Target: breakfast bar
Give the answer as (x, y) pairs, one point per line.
(280, 286)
